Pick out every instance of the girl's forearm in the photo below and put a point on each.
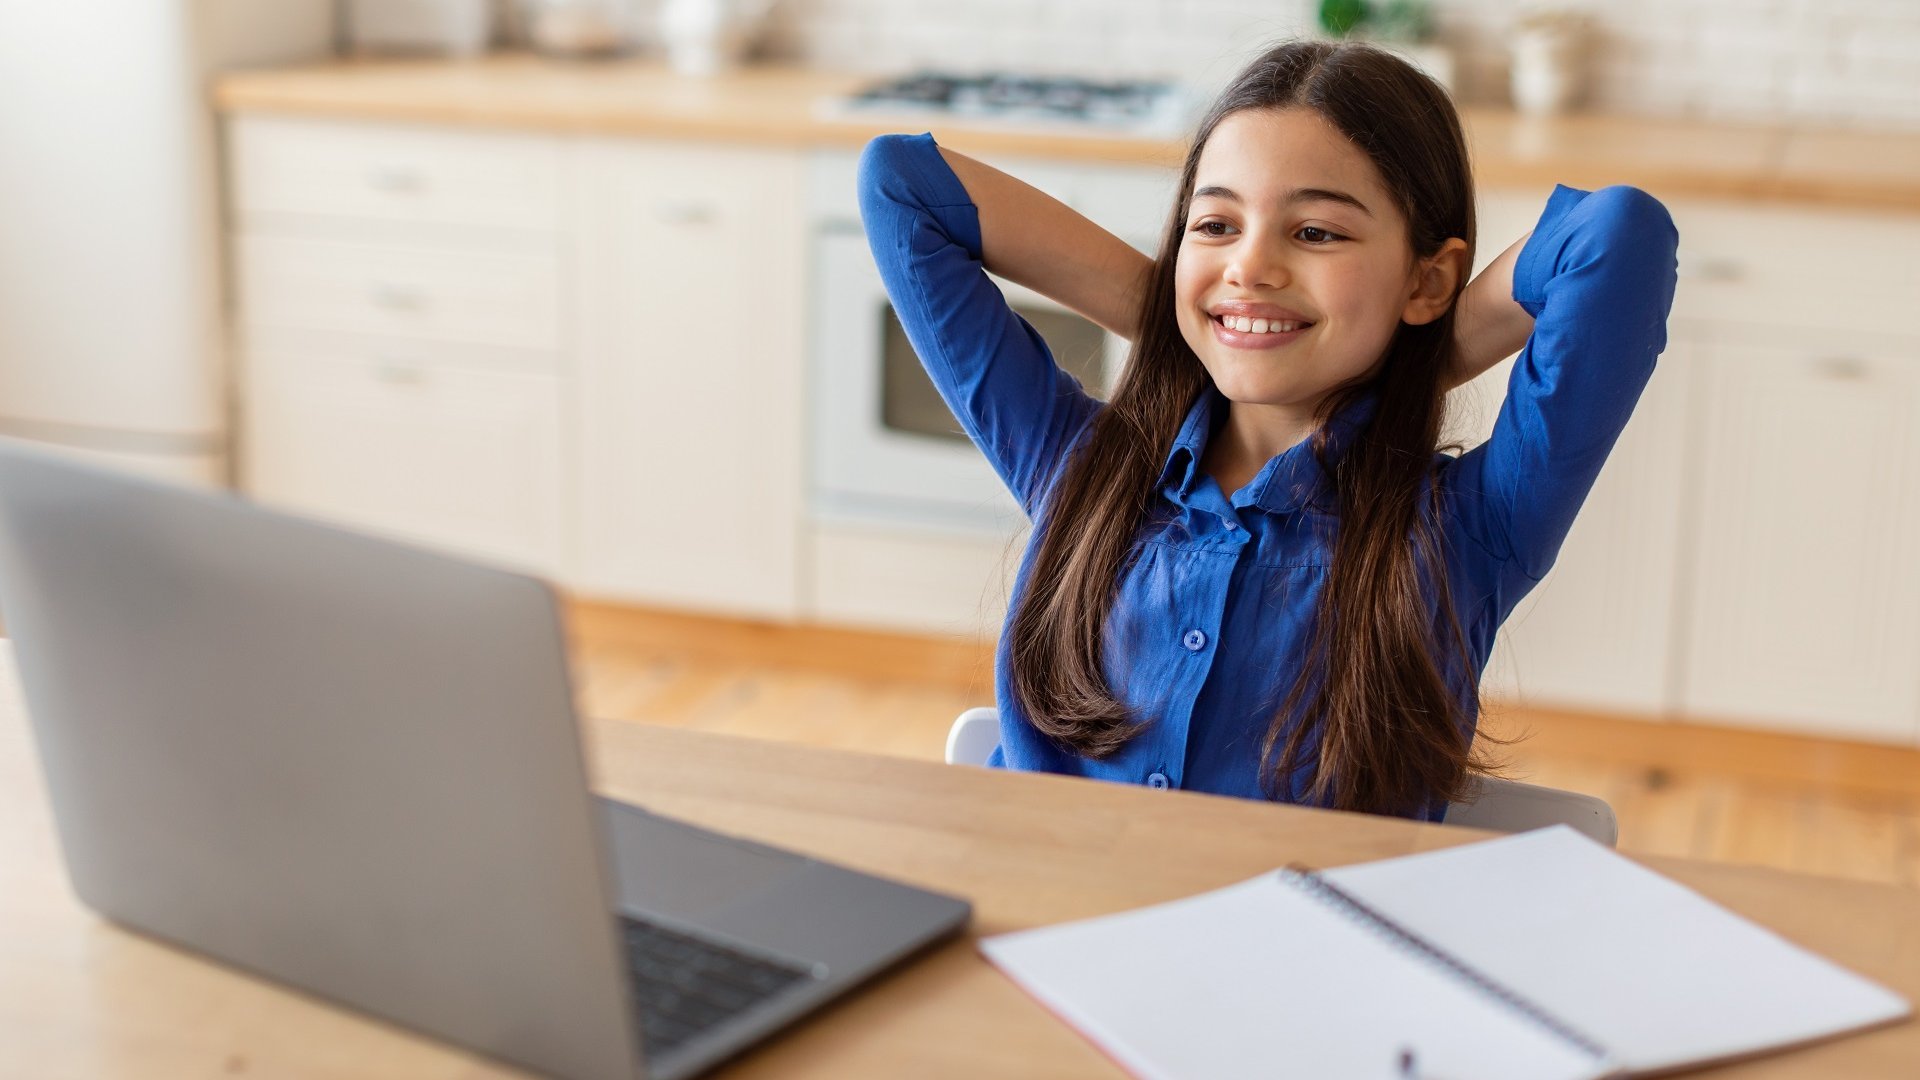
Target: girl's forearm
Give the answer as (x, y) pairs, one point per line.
(1489, 325)
(1032, 239)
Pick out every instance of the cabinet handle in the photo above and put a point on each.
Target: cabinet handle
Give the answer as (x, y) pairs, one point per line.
(397, 297)
(686, 213)
(397, 372)
(1707, 268)
(395, 181)
(1841, 367)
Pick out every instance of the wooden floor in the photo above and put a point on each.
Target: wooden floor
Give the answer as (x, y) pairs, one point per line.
(1815, 805)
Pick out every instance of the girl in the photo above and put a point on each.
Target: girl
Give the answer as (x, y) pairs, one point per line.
(1252, 572)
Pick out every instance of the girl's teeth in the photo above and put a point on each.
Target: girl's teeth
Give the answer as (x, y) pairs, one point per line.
(1258, 326)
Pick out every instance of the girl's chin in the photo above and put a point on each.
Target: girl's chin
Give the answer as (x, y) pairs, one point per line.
(1264, 392)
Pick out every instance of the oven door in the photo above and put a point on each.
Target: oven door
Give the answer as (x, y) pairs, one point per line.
(885, 446)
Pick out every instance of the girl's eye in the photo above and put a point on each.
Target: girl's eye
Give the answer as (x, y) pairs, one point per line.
(1312, 234)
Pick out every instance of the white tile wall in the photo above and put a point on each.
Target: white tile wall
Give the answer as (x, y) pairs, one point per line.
(1845, 62)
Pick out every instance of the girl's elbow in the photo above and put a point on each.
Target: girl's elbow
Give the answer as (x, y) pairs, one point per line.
(1640, 216)
(883, 171)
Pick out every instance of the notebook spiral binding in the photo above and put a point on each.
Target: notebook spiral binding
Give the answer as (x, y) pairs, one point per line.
(1353, 905)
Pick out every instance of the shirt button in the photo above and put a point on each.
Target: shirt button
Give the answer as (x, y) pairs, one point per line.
(1194, 641)
(1158, 780)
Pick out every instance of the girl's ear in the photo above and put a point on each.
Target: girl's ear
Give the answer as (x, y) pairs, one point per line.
(1435, 281)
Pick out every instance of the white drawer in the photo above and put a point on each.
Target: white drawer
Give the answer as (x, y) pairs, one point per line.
(468, 461)
(506, 299)
(283, 166)
(1767, 265)
(1808, 267)
(385, 352)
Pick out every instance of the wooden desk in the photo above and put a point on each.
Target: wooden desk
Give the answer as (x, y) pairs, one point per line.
(82, 999)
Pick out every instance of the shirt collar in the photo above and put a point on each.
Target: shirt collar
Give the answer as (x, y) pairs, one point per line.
(1182, 468)
(1290, 480)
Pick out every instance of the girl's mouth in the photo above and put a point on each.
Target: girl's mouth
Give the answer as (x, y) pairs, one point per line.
(1262, 333)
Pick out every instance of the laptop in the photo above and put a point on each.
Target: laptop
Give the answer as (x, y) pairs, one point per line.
(352, 766)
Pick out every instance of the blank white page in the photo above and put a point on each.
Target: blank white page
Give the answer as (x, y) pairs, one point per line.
(1649, 969)
(1261, 979)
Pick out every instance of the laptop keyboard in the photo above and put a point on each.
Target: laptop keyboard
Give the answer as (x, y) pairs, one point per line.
(684, 985)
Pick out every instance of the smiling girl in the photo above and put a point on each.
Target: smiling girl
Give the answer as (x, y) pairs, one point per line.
(1253, 572)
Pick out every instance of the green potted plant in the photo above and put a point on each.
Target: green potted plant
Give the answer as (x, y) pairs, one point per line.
(1401, 26)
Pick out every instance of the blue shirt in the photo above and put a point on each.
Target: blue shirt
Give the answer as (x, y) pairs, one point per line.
(1214, 610)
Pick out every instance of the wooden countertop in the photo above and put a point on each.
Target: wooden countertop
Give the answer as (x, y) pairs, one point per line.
(776, 106)
(80, 997)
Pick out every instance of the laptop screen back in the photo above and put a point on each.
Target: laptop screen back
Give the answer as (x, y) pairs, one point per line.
(347, 765)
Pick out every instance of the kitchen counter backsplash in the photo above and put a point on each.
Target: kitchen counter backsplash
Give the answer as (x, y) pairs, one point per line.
(1851, 63)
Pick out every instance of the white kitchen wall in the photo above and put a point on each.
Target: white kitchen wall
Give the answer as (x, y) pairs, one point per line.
(1848, 62)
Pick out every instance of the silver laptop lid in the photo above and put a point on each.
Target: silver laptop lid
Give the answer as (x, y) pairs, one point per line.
(337, 762)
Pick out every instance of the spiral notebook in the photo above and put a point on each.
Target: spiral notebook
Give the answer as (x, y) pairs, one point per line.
(1539, 956)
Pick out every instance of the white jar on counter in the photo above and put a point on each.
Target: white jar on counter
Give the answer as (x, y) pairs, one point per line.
(707, 37)
(1549, 54)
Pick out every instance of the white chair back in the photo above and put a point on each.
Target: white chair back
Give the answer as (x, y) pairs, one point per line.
(1500, 805)
(1511, 806)
(973, 736)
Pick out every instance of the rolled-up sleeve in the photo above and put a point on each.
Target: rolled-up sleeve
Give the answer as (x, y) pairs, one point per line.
(989, 364)
(1598, 276)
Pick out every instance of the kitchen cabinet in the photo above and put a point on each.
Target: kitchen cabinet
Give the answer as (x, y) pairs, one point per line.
(1804, 598)
(1800, 603)
(1741, 558)
(397, 440)
(690, 401)
(401, 330)
(582, 356)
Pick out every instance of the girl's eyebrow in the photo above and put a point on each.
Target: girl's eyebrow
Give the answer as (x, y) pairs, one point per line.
(1215, 191)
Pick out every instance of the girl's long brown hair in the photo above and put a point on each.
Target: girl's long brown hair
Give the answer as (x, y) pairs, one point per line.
(1371, 722)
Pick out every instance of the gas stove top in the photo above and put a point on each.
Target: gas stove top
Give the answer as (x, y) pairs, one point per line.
(1009, 101)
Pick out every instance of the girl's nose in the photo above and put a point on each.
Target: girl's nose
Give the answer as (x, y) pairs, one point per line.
(1257, 266)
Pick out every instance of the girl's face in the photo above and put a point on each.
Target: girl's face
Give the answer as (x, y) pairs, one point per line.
(1291, 226)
